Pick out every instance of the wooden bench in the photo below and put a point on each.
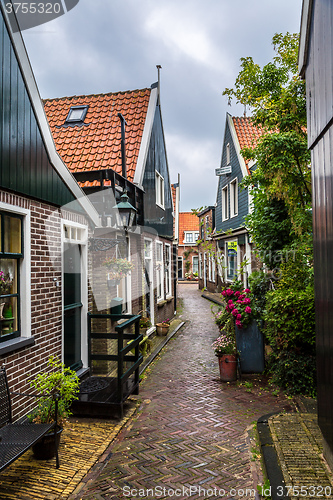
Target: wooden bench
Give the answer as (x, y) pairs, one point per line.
(16, 438)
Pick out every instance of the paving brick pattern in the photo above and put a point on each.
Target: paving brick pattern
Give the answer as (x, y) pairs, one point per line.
(190, 436)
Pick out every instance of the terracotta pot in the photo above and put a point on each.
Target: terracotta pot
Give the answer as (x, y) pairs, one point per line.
(162, 328)
(228, 367)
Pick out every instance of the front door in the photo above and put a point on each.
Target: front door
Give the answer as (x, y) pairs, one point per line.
(72, 305)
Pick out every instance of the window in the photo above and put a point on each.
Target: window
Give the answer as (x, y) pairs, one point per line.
(77, 114)
(191, 237)
(225, 203)
(159, 185)
(200, 265)
(234, 198)
(11, 255)
(195, 264)
(228, 154)
(159, 270)
(168, 267)
(231, 252)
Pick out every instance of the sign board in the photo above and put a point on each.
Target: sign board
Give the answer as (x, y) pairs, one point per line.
(232, 247)
(223, 170)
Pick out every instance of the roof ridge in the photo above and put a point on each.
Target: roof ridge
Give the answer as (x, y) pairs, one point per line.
(104, 94)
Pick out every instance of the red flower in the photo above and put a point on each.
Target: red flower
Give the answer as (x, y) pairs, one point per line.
(248, 309)
(239, 324)
(237, 293)
(239, 317)
(247, 290)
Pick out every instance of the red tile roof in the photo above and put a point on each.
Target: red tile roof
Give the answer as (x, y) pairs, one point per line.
(96, 145)
(247, 133)
(188, 221)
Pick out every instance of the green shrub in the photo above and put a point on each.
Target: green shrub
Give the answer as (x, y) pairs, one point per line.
(259, 284)
(294, 372)
(289, 319)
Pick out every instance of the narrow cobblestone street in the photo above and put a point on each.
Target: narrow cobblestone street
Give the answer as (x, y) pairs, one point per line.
(191, 430)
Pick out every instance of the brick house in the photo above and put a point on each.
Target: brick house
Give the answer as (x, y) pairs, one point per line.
(44, 214)
(188, 260)
(113, 143)
(208, 275)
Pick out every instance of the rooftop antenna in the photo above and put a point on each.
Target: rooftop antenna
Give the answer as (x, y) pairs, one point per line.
(159, 67)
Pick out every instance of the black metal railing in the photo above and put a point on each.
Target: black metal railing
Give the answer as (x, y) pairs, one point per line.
(122, 356)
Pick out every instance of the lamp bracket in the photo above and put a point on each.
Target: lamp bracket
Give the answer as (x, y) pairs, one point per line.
(103, 244)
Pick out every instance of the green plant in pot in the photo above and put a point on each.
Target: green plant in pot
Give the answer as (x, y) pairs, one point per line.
(62, 383)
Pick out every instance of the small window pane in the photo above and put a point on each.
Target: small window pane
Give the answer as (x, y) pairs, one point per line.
(12, 236)
(8, 276)
(9, 317)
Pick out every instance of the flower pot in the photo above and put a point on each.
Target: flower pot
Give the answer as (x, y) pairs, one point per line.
(162, 328)
(250, 345)
(44, 449)
(228, 367)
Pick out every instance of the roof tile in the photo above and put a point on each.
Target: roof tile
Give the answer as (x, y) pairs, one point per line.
(97, 144)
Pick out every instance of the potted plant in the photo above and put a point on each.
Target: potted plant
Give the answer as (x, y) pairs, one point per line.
(163, 328)
(118, 268)
(59, 381)
(241, 309)
(144, 324)
(226, 351)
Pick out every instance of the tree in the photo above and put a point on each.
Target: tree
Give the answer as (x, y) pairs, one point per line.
(275, 95)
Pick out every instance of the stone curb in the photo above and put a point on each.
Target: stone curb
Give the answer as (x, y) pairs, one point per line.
(270, 457)
(151, 358)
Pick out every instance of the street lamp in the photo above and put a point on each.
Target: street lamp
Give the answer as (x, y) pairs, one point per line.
(125, 212)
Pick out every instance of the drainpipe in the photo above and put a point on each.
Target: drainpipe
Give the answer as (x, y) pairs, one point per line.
(123, 148)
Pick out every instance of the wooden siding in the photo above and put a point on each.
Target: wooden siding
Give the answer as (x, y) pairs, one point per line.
(24, 164)
(224, 180)
(155, 217)
(320, 111)
(319, 71)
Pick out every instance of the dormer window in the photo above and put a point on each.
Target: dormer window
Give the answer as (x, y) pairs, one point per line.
(77, 114)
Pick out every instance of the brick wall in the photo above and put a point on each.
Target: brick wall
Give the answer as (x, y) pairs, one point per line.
(46, 299)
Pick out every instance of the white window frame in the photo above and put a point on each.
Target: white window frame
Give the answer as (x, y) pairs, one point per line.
(213, 268)
(209, 268)
(234, 197)
(228, 153)
(148, 262)
(228, 277)
(225, 203)
(159, 272)
(168, 270)
(186, 235)
(25, 270)
(195, 257)
(159, 188)
(73, 232)
(200, 265)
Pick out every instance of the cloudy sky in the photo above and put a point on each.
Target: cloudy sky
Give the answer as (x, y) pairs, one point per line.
(113, 45)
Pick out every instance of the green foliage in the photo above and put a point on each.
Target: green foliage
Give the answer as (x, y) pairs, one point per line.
(294, 372)
(276, 97)
(259, 283)
(59, 380)
(296, 272)
(290, 319)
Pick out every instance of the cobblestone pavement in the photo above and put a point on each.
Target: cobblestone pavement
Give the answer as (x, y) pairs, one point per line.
(190, 435)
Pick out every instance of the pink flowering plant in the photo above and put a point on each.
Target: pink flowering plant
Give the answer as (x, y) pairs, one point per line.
(224, 344)
(239, 306)
(6, 283)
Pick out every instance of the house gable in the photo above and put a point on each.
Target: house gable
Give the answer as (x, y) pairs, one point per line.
(156, 167)
(238, 171)
(25, 163)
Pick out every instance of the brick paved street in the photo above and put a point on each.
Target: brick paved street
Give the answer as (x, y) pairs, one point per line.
(191, 430)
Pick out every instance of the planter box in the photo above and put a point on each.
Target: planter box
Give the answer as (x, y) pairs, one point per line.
(250, 344)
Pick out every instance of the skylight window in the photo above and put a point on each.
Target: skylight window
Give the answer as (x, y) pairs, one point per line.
(77, 114)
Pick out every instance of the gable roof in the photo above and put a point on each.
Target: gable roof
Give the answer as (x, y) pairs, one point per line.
(95, 144)
(188, 221)
(247, 135)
